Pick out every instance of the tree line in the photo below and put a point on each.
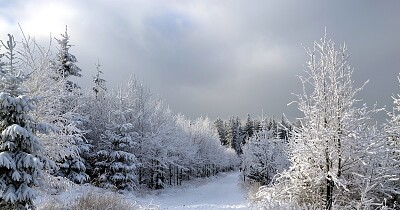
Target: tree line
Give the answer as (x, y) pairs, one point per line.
(121, 139)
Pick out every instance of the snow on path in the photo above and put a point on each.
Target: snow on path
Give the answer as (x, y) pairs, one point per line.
(221, 193)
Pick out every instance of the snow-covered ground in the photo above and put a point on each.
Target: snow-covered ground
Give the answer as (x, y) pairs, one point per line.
(221, 193)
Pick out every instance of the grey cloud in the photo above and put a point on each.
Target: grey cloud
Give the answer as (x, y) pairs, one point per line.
(222, 58)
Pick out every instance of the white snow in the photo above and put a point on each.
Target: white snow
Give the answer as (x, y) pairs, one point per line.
(223, 192)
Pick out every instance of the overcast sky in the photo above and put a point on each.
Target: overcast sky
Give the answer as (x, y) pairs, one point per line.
(218, 57)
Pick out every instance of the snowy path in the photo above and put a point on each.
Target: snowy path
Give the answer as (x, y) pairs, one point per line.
(221, 193)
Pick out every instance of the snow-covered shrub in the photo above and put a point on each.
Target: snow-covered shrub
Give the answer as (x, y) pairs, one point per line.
(95, 201)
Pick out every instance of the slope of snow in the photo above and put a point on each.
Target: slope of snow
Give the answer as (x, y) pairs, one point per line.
(221, 193)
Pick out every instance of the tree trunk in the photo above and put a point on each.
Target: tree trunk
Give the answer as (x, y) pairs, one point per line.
(329, 193)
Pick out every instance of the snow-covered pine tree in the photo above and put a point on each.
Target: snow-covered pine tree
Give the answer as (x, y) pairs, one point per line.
(99, 108)
(233, 137)
(99, 86)
(20, 149)
(67, 118)
(258, 125)
(248, 128)
(114, 165)
(220, 125)
(64, 66)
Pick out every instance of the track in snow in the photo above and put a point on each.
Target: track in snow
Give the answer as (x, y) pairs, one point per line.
(222, 193)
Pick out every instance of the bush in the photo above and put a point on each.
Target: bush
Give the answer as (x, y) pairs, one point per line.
(93, 201)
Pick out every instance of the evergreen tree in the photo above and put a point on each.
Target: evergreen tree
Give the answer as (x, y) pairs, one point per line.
(219, 124)
(64, 66)
(233, 137)
(258, 126)
(67, 119)
(248, 129)
(99, 86)
(114, 166)
(20, 149)
(285, 129)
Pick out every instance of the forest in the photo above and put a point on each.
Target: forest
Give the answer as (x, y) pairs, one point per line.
(54, 132)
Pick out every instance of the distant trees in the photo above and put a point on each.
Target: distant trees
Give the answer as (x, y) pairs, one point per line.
(137, 142)
(233, 134)
(99, 86)
(221, 129)
(264, 156)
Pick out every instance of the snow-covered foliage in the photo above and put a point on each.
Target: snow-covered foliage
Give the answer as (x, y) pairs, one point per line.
(58, 107)
(115, 165)
(159, 148)
(335, 152)
(233, 134)
(128, 138)
(20, 150)
(264, 156)
(64, 65)
(67, 118)
(209, 150)
(392, 132)
(99, 86)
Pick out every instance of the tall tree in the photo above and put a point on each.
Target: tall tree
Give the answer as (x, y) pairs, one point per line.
(67, 119)
(248, 129)
(233, 137)
(335, 139)
(99, 86)
(65, 64)
(220, 125)
(20, 149)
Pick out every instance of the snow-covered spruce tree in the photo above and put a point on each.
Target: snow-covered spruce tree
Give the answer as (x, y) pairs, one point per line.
(67, 119)
(64, 66)
(248, 129)
(233, 137)
(220, 125)
(99, 86)
(334, 145)
(114, 166)
(20, 149)
(99, 109)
